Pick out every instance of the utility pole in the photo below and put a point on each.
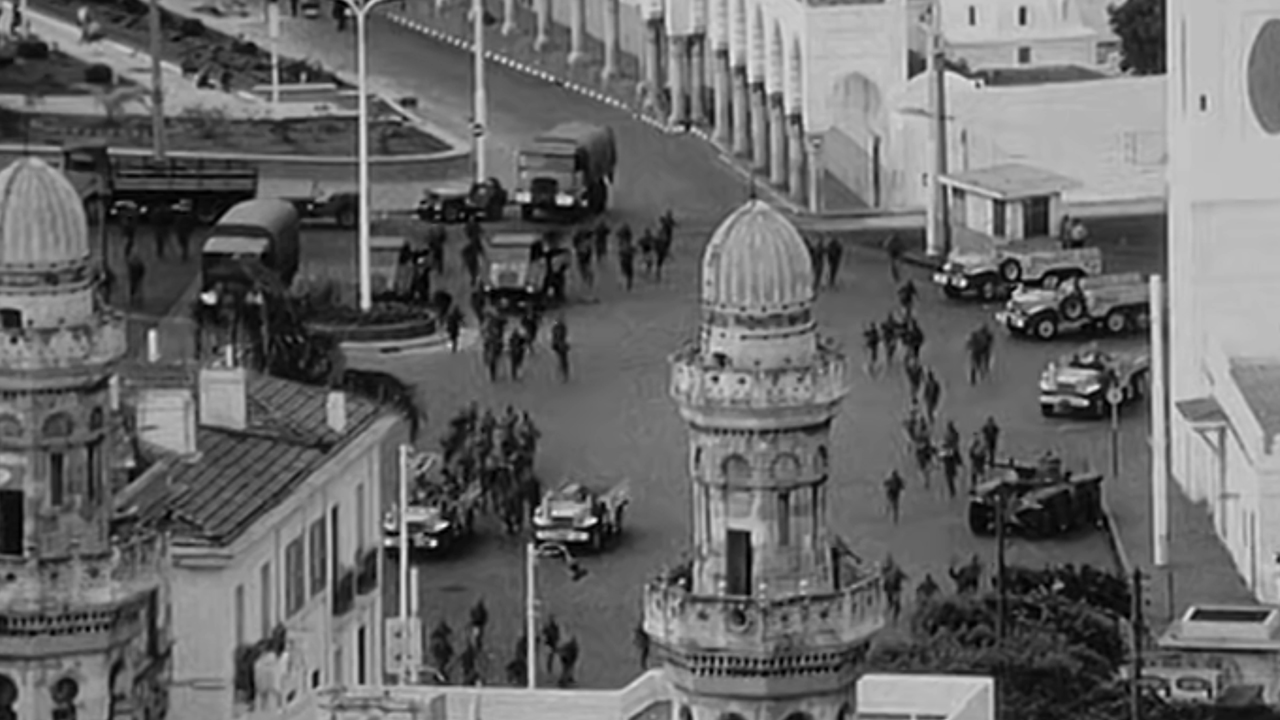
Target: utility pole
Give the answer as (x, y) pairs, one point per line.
(938, 232)
(158, 144)
(1135, 624)
(480, 100)
(1002, 589)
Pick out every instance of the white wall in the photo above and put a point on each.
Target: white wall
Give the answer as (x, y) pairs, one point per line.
(1078, 51)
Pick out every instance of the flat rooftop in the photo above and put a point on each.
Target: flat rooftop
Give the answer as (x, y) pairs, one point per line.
(1011, 181)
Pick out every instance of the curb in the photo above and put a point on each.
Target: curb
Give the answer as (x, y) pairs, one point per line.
(442, 156)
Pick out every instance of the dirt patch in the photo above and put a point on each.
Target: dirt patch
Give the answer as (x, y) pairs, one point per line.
(189, 43)
(214, 132)
(58, 74)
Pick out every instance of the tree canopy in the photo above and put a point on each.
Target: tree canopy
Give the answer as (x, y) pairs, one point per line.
(1140, 26)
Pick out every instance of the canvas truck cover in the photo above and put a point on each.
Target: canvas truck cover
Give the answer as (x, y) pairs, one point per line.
(511, 260)
(271, 219)
(593, 146)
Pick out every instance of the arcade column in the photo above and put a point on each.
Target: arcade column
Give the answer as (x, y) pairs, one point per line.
(741, 113)
(795, 156)
(652, 70)
(677, 71)
(759, 128)
(612, 15)
(508, 16)
(542, 10)
(721, 82)
(813, 164)
(577, 31)
(698, 79)
(777, 141)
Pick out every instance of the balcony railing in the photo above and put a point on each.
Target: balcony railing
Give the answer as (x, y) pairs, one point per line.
(134, 565)
(698, 381)
(837, 620)
(65, 347)
(367, 580)
(344, 592)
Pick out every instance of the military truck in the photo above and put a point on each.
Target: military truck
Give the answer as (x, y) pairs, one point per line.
(1118, 303)
(991, 271)
(250, 238)
(576, 514)
(567, 169)
(1038, 500)
(518, 266)
(211, 186)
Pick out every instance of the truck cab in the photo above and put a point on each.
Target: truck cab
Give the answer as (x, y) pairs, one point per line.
(567, 169)
(516, 272)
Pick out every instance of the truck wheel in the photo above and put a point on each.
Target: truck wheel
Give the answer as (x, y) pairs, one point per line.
(346, 217)
(951, 292)
(1117, 322)
(1011, 271)
(1046, 409)
(1045, 327)
(526, 212)
(1072, 307)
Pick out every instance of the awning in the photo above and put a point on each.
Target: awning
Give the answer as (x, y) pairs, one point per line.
(1202, 412)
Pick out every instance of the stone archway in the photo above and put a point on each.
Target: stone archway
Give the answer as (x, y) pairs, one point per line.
(853, 150)
(8, 698)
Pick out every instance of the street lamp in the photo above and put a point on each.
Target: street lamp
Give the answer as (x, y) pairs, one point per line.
(534, 551)
(407, 466)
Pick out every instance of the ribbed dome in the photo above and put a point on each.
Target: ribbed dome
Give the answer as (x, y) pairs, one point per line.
(756, 262)
(42, 221)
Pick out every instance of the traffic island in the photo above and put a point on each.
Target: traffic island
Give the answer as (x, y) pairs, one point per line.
(393, 326)
(31, 68)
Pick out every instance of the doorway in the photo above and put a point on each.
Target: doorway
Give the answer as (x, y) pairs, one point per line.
(1035, 217)
(998, 212)
(739, 566)
(11, 519)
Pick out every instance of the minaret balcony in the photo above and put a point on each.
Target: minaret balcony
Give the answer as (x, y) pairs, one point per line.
(68, 347)
(714, 384)
(77, 605)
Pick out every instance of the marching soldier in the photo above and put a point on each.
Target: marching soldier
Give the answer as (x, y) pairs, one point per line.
(453, 326)
(893, 246)
(889, 336)
(907, 295)
(894, 578)
(990, 437)
(871, 340)
(977, 460)
(915, 374)
(932, 395)
(661, 251)
(950, 469)
(927, 590)
(893, 487)
(627, 263)
(951, 438)
(582, 245)
(835, 253)
(560, 346)
(516, 346)
(492, 350)
(925, 452)
(601, 236)
(912, 337)
(667, 226)
(646, 251)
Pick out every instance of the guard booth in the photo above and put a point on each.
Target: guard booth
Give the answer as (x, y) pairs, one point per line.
(1006, 203)
(1229, 653)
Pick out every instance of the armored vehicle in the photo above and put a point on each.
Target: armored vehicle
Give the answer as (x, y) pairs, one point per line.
(575, 514)
(1040, 500)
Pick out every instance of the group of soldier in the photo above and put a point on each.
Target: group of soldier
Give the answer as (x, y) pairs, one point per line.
(497, 453)
(169, 223)
(519, 342)
(967, 579)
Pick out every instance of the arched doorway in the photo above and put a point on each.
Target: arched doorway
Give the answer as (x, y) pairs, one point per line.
(858, 121)
(64, 694)
(8, 698)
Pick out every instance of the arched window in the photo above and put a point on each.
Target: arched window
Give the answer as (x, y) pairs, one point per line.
(10, 319)
(1023, 15)
(8, 699)
(95, 419)
(58, 425)
(64, 694)
(736, 467)
(10, 426)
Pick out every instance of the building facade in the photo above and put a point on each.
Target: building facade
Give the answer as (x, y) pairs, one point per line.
(273, 492)
(794, 87)
(83, 627)
(1017, 33)
(1224, 139)
(771, 618)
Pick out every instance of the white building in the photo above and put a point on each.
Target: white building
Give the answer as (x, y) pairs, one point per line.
(1224, 283)
(883, 696)
(273, 497)
(1017, 33)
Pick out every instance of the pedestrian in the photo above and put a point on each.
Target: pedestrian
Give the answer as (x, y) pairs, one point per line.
(161, 216)
(601, 236)
(973, 347)
(915, 375)
(932, 395)
(912, 337)
(516, 347)
(471, 253)
(927, 590)
(453, 326)
(127, 216)
(951, 438)
(894, 579)
(987, 343)
(184, 224)
(914, 425)
(893, 487)
(889, 336)
(627, 264)
(950, 469)
(925, 452)
(492, 352)
(977, 460)
(437, 238)
(529, 323)
(136, 272)
(624, 236)
(477, 305)
(907, 295)
(646, 251)
(893, 247)
(560, 346)
(667, 226)
(990, 437)
(661, 252)
(871, 341)
(582, 246)
(817, 253)
(835, 254)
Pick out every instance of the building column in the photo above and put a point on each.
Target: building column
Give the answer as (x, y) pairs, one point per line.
(759, 128)
(721, 82)
(508, 16)
(795, 156)
(652, 76)
(611, 20)
(813, 164)
(741, 114)
(577, 31)
(542, 8)
(677, 71)
(777, 142)
(698, 79)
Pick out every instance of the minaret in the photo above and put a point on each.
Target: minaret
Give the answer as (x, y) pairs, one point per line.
(773, 616)
(80, 614)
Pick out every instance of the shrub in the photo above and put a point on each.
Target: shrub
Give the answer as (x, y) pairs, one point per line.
(191, 27)
(99, 74)
(32, 49)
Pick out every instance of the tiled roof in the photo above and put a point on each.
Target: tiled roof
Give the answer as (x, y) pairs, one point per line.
(1259, 383)
(241, 475)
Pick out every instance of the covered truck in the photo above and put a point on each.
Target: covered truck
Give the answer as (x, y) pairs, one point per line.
(253, 236)
(211, 186)
(566, 169)
(1117, 303)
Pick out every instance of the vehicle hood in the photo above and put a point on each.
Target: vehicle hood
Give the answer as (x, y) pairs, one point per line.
(1028, 300)
(420, 517)
(968, 260)
(573, 510)
(1074, 376)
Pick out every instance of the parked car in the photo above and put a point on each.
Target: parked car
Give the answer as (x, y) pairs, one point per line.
(575, 514)
(1080, 382)
(460, 202)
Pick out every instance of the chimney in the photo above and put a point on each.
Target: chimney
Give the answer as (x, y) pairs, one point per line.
(224, 397)
(335, 411)
(166, 418)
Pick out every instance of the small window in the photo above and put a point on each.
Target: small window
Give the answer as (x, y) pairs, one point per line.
(1022, 15)
(784, 519)
(93, 484)
(319, 558)
(64, 694)
(1024, 56)
(973, 15)
(57, 479)
(239, 612)
(295, 578)
(10, 319)
(264, 612)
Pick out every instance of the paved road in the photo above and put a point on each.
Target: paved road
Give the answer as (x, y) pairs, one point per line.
(615, 420)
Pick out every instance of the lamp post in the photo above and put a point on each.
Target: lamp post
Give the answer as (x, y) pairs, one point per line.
(402, 527)
(480, 100)
(534, 551)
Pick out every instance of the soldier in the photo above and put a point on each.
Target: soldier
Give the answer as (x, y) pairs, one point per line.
(893, 581)
(889, 336)
(185, 227)
(127, 213)
(973, 346)
(627, 263)
(893, 487)
(161, 216)
(582, 250)
(136, 272)
(661, 252)
(472, 231)
(817, 253)
(915, 374)
(560, 346)
(667, 226)
(471, 253)
(835, 254)
(477, 304)
(453, 326)
(601, 236)
(950, 469)
(893, 246)
(951, 438)
(492, 351)
(516, 347)
(977, 460)
(530, 322)
(907, 295)
(927, 590)
(925, 452)
(990, 437)
(932, 395)
(912, 337)
(871, 340)
(987, 345)
(624, 236)
(646, 251)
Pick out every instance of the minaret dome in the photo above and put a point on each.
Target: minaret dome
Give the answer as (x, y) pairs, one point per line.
(42, 219)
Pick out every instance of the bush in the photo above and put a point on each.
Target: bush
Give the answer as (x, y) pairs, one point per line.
(32, 49)
(99, 74)
(191, 27)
